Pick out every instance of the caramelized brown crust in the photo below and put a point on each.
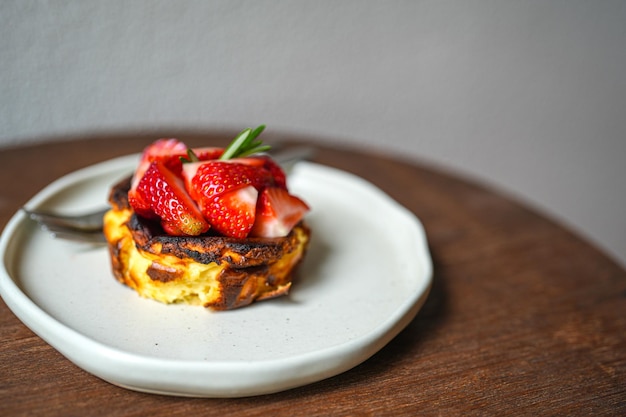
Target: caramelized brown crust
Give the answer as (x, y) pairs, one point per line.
(232, 272)
(118, 196)
(241, 253)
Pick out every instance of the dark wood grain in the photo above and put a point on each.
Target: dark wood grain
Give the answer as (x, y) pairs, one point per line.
(524, 317)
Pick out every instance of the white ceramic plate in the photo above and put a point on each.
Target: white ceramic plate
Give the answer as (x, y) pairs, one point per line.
(367, 273)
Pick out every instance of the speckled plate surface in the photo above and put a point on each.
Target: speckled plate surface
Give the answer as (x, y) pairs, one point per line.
(366, 275)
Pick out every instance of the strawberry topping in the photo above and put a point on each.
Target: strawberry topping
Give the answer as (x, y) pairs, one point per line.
(207, 179)
(165, 195)
(277, 213)
(233, 213)
(164, 150)
(268, 165)
(170, 152)
(234, 191)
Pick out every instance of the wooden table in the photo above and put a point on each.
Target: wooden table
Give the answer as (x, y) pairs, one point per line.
(524, 317)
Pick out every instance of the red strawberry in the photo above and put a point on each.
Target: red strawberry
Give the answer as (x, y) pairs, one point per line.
(217, 185)
(266, 163)
(204, 180)
(277, 213)
(220, 189)
(166, 150)
(280, 179)
(175, 164)
(170, 151)
(165, 194)
(208, 153)
(141, 206)
(233, 213)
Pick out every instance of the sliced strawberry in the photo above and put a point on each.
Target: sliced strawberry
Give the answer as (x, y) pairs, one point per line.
(226, 192)
(280, 179)
(208, 153)
(140, 205)
(234, 190)
(172, 229)
(233, 213)
(205, 180)
(277, 213)
(164, 192)
(266, 163)
(170, 151)
(165, 150)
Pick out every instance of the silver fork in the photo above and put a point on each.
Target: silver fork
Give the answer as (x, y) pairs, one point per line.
(87, 227)
(85, 222)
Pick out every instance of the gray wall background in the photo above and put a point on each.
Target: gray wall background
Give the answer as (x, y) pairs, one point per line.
(527, 96)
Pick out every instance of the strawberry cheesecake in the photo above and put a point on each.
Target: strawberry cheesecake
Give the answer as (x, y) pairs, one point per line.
(206, 226)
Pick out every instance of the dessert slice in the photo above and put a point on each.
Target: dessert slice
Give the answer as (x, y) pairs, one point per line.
(219, 230)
